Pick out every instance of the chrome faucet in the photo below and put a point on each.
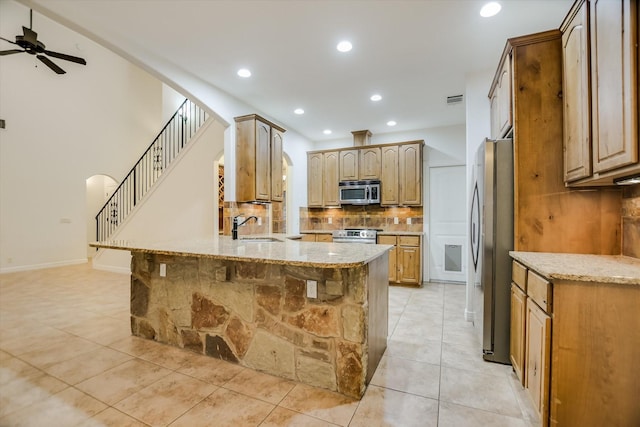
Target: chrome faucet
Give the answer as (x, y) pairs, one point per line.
(234, 230)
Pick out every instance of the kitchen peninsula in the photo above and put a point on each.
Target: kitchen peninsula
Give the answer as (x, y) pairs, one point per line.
(310, 312)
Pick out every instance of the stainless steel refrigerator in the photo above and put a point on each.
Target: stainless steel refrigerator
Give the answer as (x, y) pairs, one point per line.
(491, 236)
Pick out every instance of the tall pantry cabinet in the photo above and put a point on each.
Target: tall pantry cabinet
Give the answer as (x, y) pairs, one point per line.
(548, 216)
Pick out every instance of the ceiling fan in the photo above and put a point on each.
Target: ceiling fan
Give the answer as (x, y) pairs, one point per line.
(30, 44)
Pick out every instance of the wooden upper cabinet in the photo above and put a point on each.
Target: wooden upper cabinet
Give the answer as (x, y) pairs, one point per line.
(349, 163)
(410, 174)
(360, 163)
(575, 82)
(277, 190)
(614, 84)
(315, 179)
(370, 164)
(258, 151)
(389, 176)
(331, 195)
(500, 96)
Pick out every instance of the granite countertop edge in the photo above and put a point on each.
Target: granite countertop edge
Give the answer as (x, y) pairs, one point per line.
(380, 233)
(280, 252)
(613, 269)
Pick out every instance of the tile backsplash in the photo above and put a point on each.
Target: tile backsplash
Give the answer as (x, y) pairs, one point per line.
(370, 216)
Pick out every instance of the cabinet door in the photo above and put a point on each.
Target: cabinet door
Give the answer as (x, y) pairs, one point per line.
(409, 264)
(614, 94)
(276, 165)
(538, 347)
(263, 161)
(331, 196)
(349, 162)
(575, 98)
(324, 238)
(501, 112)
(516, 347)
(393, 265)
(410, 174)
(370, 163)
(315, 179)
(389, 176)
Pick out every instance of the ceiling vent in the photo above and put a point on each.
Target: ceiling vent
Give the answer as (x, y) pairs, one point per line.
(454, 100)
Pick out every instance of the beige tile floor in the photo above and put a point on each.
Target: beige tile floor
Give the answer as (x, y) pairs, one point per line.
(67, 359)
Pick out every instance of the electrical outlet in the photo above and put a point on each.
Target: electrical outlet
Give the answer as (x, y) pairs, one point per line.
(163, 270)
(259, 221)
(330, 220)
(396, 220)
(409, 221)
(312, 289)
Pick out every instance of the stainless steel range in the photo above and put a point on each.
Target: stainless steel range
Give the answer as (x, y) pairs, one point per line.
(355, 236)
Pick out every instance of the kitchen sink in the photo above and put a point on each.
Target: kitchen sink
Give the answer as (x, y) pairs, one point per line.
(259, 239)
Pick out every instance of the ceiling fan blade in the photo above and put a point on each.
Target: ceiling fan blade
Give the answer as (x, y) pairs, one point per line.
(50, 64)
(66, 57)
(30, 35)
(7, 40)
(11, 51)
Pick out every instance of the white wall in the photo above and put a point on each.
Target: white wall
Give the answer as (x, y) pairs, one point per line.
(61, 130)
(179, 205)
(96, 119)
(478, 127)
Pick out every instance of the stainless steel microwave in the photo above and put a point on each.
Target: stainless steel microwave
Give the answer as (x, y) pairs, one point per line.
(359, 192)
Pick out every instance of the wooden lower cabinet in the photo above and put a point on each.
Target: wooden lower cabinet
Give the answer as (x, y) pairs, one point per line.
(517, 343)
(538, 348)
(405, 259)
(320, 237)
(581, 354)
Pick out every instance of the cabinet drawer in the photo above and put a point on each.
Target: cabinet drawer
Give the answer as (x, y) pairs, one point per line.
(324, 238)
(519, 275)
(408, 240)
(539, 290)
(387, 240)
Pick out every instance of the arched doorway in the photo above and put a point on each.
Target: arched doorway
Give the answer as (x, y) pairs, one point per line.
(99, 189)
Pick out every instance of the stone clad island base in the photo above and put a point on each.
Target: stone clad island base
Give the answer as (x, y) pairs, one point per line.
(259, 316)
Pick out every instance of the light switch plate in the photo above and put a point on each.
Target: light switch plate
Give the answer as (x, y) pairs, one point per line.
(312, 289)
(163, 270)
(408, 220)
(330, 220)
(396, 220)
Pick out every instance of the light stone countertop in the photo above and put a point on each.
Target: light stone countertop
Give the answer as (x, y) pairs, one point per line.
(286, 250)
(615, 269)
(380, 233)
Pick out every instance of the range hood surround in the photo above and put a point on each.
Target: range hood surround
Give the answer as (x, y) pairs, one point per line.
(361, 138)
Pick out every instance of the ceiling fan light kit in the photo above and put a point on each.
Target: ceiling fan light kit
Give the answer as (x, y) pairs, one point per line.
(30, 44)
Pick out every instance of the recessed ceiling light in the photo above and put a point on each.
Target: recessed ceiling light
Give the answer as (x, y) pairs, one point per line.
(327, 131)
(298, 111)
(344, 46)
(490, 9)
(376, 97)
(243, 72)
(391, 123)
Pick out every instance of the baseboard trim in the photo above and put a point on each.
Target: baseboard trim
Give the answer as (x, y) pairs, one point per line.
(43, 266)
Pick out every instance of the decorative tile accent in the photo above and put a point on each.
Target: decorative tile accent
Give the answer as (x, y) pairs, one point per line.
(350, 216)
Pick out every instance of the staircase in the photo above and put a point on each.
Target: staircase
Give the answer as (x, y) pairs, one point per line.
(156, 159)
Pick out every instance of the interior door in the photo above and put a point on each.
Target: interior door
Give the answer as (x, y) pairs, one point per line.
(448, 242)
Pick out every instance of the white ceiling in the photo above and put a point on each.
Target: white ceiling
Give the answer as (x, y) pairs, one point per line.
(413, 53)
